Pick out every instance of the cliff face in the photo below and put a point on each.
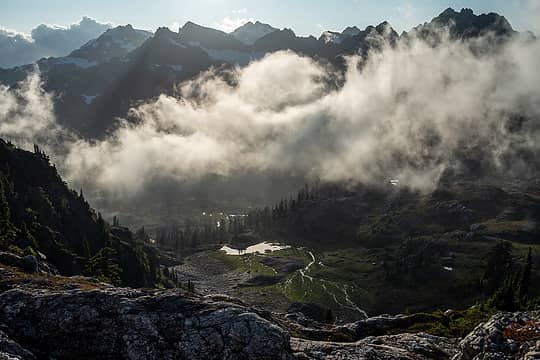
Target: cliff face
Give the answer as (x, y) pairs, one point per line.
(49, 316)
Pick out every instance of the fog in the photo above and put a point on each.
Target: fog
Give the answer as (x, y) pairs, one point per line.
(411, 112)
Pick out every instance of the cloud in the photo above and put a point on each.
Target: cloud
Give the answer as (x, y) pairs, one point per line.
(240, 11)
(412, 112)
(46, 40)
(229, 24)
(27, 117)
(174, 26)
(15, 34)
(26, 112)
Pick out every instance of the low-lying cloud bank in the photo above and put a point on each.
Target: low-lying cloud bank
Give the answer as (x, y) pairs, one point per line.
(411, 112)
(46, 40)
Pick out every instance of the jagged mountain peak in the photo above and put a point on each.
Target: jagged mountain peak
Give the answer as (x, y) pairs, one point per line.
(383, 25)
(288, 31)
(251, 32)
(351, 31)
(164, 32)
(113, 43)
(332, 37)
(466, 23)
(206, 37)
(190, 26)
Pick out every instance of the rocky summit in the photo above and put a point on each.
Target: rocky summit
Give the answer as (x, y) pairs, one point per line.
(47, 316)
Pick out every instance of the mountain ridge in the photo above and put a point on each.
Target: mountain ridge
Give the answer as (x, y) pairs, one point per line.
(90, 74)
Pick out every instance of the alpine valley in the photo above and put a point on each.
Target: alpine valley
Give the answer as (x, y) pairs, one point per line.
(261, 195)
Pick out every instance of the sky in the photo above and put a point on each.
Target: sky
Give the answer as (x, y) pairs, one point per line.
(303, 16)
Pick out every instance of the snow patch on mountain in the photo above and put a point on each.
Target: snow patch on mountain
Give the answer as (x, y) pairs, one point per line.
(88, 99)
(332, 37)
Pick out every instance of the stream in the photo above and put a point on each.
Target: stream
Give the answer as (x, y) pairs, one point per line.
(304, 276)
(331, 289)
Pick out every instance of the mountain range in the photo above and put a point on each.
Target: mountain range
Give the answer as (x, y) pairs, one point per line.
(213, 274)
(101, 80)
(46, 40)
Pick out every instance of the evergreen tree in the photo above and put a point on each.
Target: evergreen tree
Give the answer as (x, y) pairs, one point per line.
(8, 231)
(499, 264)
(525, 280)
(194, 239)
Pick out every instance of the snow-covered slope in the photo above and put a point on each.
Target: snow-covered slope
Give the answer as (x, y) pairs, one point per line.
(331, 37)
(337, 38)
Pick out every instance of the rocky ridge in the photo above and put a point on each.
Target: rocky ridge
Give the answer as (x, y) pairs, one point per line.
(39, 311)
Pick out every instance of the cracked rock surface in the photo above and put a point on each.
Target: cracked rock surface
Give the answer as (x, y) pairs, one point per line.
(137, 324)
(53, 317)
(505, 336)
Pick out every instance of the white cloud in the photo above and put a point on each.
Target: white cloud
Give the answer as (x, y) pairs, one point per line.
(46, 40)
(408, 113)
(240, 11)
(174, 26)
(15, 34)
(26, 115)
(411, 113)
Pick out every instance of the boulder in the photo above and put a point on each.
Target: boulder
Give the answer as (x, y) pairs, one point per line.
(138, 324)
(403, 346)
(504, 336)
(29, 263)
(10, 350)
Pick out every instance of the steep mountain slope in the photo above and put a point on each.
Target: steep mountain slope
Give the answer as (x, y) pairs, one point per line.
(464, 25)
(251, 32)
(286, 39)
(39, 213)
(220, 46)
(114, 43)
(351, 31)
(209, 38)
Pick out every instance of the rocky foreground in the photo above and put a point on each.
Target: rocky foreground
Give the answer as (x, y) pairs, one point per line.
(43, 315)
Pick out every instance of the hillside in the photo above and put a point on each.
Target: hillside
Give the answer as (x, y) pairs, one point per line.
(380, 250)
(40, 216)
